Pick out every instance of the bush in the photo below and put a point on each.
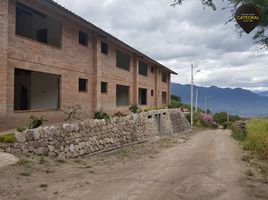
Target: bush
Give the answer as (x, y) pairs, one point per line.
(101, 115)
(9, 138)
(134, 108)
(36, 122)
(238, 131)
(206, 120)
(175, 104)
(21, 129)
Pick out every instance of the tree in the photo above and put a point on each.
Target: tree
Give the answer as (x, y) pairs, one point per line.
(175, 102)
(260, 37)
(220, 118)
(176, 98)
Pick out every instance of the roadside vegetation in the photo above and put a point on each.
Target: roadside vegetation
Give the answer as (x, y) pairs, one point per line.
(253, 135)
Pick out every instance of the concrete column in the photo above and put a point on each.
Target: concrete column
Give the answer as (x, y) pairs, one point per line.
(135, 98)
(3, 56)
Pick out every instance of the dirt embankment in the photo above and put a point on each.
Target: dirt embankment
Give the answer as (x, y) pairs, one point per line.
(207, 166)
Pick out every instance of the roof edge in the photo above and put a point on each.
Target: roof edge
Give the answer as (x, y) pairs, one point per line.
(106, 34)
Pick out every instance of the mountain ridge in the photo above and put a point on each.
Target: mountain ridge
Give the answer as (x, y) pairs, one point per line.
(238, 100)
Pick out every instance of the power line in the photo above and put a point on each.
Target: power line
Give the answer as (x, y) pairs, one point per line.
(165, 10)
(153, 19)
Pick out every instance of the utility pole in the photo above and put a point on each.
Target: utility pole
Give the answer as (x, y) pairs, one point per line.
(192, 91)
(205, 105)
(228, 117)
(196, 99)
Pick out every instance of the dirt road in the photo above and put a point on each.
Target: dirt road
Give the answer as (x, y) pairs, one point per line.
(208, 166)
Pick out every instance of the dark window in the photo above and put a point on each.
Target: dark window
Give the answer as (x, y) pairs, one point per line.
(164, 97)
(142, 96)
(164, 77)
(122, 95)
(36, 90)
(83, 38)
(122, 60)
(152, 69)
(82, 85)
(152, 92)
(104, 87)
(104, 48)
(38, 26)
(143, 68)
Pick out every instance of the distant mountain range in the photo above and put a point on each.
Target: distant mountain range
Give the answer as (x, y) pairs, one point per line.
(264, 94)
(239, 101)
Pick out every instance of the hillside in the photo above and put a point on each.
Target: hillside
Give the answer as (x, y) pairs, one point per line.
(241, 102)
(264, 94)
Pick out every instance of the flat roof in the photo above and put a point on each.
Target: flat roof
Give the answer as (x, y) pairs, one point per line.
(59, 8)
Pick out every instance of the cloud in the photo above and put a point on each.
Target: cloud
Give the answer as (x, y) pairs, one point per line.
(180, 36)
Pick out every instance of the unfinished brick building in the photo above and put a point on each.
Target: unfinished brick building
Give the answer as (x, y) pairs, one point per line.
(51, 58)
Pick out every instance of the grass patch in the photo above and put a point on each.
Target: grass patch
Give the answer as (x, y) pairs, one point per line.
(24, 162)
(60, 161)
(25, 174)
(257, 136)
(237, 133)
(42, 160)
(9, 138)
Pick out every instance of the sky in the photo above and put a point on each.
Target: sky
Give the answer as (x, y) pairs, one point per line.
(181, 36)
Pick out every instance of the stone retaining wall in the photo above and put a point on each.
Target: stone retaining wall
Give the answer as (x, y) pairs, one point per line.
(90, 136)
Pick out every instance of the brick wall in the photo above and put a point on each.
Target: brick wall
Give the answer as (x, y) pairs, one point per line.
(3, 55)
(71, 61)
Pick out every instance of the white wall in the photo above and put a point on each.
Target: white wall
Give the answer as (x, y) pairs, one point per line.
(44, 90)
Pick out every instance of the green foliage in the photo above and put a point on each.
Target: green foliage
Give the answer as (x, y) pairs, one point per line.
(238, 132)
(134, 108)
(220, 118)
(21, 129)
(257, 136)
(196, 117)
(175, 102)
(260, 36)
(24, 162)
(101, 115)
(176, 98)
(36, 122)
(9, 138)
(25, 174)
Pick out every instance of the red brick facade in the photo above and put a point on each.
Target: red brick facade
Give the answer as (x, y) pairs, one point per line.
(71, 61)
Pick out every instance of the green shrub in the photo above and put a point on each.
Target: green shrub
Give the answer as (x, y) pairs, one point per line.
(9, 138)
(134, 108)
(175, 104)
(21, 129)
(237, 132)
(101, 115)
(36, 122)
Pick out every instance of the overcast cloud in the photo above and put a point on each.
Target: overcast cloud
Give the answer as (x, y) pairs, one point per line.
(177, 37)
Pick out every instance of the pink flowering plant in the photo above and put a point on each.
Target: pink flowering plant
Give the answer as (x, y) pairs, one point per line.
(206, 120)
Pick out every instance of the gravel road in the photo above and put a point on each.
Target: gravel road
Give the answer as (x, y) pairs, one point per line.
(208, 166)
